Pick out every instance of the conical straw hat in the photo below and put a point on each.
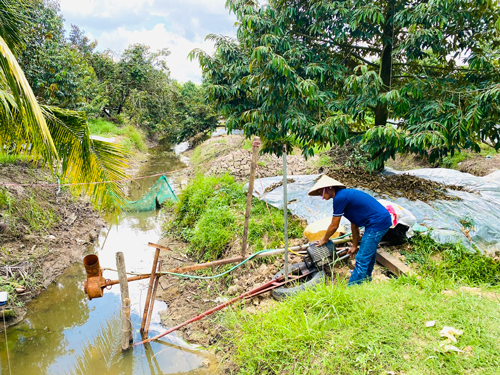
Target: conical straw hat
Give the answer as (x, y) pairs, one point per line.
(322, 183)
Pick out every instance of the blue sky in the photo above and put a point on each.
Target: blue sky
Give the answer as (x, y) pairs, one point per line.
(178, 25)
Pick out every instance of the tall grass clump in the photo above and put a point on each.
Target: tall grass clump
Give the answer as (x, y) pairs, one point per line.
(452, 262)
(131, 138)
(210, 216)
(6, 158)
(367, 329)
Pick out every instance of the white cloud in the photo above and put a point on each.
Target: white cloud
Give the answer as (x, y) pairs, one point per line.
(177, 25)
(158, 37)
(104, 9)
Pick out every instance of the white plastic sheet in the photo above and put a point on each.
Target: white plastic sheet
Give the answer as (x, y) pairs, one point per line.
(482, 206)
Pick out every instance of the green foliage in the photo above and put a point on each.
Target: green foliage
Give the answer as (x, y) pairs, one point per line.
(371, 328)
(452, 262)
(398, 77)
(192, 113)
(210, 215)
(59, 73)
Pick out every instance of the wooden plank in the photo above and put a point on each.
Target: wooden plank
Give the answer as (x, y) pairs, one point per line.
(392, 263)
(156, 246)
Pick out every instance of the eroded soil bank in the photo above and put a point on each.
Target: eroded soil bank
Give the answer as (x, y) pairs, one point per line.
(43, 230)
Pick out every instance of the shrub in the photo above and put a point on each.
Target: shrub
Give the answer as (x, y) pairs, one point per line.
(210, 215)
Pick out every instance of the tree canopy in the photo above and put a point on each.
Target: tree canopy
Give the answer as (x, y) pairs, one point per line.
(395, 75)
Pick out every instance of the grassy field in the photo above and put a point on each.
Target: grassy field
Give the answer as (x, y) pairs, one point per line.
(368, 329)
(129, 136)
(380, 328)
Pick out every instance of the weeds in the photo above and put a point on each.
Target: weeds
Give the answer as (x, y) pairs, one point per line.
(28, 213)
(210, 215)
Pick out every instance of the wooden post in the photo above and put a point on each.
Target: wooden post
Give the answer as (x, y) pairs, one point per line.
(150, 292)
(126, 323)
(253, 167)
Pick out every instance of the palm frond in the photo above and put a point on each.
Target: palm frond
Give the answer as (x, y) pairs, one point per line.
(31, 126)
(13, 17)
(84, 160)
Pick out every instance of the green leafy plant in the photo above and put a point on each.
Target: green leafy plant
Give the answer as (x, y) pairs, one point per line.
(210, 216)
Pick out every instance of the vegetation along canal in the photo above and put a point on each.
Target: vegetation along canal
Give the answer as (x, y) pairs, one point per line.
(65, 333)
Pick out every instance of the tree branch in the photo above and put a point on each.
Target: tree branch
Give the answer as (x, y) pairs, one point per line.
(435, 67)
(343, 45)
(364, 60)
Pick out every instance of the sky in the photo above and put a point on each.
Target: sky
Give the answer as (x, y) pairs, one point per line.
(179, 25)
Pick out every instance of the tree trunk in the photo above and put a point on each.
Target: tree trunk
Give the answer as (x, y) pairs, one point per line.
(381, 112)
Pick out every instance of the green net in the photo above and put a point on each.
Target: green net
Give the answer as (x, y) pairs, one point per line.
(155, 196)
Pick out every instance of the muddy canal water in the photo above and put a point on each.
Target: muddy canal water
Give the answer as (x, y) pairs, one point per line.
(65, 333)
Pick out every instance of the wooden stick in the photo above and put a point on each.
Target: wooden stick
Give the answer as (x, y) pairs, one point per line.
(156, 246)
(126, 324)
(253, 167)
(150, 290)
(151, 305)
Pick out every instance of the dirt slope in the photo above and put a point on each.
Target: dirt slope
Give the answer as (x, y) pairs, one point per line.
(42, 232)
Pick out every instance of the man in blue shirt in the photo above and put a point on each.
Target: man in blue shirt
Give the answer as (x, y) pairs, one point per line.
(361, 210)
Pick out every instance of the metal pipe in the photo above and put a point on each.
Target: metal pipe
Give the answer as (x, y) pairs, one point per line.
(221, 262)
(211, 311)
(285, 209)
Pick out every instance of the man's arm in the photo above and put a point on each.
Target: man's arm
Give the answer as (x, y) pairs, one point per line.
(332, 228)
(355, 239)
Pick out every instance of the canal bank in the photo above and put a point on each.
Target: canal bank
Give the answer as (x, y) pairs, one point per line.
(65, 333)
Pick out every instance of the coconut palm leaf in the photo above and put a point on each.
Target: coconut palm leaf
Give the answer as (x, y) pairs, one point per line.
(13, 17)
(30, 126)
(85, 161)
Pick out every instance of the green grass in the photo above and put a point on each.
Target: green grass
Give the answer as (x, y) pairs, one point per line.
(11, 159)
(452, 263)
(210, 216)
(453, 161)
(31, 213)
(131, 138)
(367, 329)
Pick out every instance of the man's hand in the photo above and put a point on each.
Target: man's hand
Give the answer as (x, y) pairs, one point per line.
(352, 251)
(321, 242)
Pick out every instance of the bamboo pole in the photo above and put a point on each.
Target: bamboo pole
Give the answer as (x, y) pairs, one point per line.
(150, 290)
(253, 167)
(126, 324)
(151, 305)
